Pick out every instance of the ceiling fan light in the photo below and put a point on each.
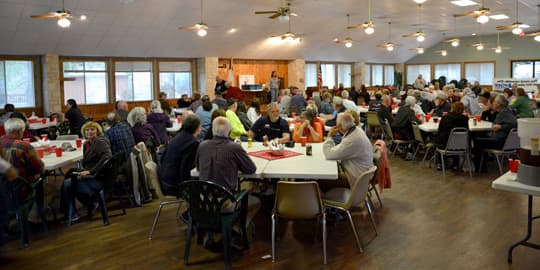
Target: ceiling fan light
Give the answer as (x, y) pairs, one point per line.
(83, 17)
(64, 22)
(517, 30)
(420, 50)
(420, 38)
(455, 43)
(482, 19)
(390, 48)
(348, 44)
(444, 53)
(202, 32)
(498, 49)
(419, 1)
(369, 30)
(283, 18)
(480, 47)
(537, 38)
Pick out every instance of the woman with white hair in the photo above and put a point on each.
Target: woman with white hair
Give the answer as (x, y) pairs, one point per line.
(159, 120)
(142, 131)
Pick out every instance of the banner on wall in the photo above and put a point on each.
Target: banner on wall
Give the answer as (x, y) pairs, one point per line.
(529, 85)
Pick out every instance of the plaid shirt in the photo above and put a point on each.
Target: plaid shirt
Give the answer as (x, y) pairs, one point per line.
(121, 138)
(23, 157)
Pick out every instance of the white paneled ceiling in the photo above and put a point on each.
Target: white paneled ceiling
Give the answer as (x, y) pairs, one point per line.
(149, 28)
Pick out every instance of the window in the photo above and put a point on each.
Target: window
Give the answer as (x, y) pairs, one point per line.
(133, 81)
(90, 81)
(311, 75)
(377, 76)
(17, 83)
(484, 73)
(344, 74)
(328, 75)
(414, 70)
(450, 71)
(388, 74)
(526, 69)
(175, 78)
(367, 78)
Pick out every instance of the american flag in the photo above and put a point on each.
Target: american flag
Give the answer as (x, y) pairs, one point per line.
(319, 78)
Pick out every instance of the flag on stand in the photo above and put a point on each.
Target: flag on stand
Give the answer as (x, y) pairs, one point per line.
(319, 78)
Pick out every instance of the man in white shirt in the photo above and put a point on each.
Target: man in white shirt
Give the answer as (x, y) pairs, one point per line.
(355, 152)
(349, 104)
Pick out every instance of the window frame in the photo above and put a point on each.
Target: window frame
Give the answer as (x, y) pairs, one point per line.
(511, 75)
(154, 89)
(337, 82)
(36, 77)
(461, 70)
(370, 75)
(107, 62)
(464, 69)
(157, 74)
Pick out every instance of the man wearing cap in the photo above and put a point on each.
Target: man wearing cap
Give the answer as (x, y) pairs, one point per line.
(441, 105)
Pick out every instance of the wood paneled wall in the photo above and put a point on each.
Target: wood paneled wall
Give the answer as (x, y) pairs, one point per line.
(261, 69)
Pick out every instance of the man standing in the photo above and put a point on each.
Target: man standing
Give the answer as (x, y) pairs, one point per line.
(220, 159)
(221, 88)
(355, 152)
(179, 158)
(270, 125)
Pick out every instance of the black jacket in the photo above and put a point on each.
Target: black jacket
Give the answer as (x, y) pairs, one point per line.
(448, 122)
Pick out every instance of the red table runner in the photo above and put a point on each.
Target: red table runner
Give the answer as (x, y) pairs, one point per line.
(265, 154)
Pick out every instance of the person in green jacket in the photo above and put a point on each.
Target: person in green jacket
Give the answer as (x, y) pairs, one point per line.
(521, 104)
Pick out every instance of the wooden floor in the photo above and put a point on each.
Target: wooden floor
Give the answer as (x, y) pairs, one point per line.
(427, 222)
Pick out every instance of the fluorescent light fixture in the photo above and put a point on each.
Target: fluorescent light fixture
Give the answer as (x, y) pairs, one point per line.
(499, 17)
(464, 3)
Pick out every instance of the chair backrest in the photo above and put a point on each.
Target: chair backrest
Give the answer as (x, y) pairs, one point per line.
(372, 119)
(512, 142)
(206, 201)
(417, 134)
(109, 171)
(458, 140)
(145, 156)
(360, 188)
(298, 200)
(152, 173)
(67, 137)
(388, 129)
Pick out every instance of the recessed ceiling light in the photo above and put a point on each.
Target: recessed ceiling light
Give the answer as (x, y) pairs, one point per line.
(499, 17)
(232, 30)
(464, 3)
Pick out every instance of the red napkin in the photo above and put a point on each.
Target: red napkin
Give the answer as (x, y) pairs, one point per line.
(266, 154)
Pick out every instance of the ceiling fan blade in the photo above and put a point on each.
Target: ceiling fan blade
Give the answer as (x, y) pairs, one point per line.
(190, 27)
(533, 34)
(356, 26)
(465, 14)
(265, 12)
(505, 27)
(293, 14)
(410, 35)
(46, 16)
(275, 16)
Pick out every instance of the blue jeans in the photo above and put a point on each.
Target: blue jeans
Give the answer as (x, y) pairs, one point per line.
(274, 94)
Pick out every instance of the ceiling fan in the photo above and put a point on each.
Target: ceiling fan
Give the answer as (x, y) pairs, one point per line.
(389, 46)
(442, 52)
(453, 41)
(283, 12)
(499, 48)
(419, 35)
(419, 50)
(536, 34)
(62, 16)
(369, 26)
(516, 27)
(480, 14)
(201, 28)
(289, 35)
(479, 45)
(347, 41)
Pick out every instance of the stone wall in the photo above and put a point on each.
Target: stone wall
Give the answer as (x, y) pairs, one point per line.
(52, 99)
(296, 73)
(211, 71)
(359, 74)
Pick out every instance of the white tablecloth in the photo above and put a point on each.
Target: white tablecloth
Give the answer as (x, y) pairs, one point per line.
(52, 162)
(433, 127)
(508, 182)
(40, 125)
